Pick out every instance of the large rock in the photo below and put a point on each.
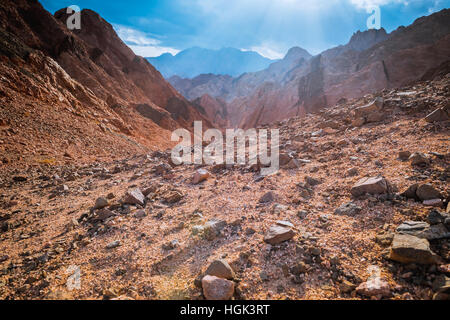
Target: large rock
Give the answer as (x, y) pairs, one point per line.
(135, 197)
(220, 269)
(427, 192)
(215, 288)
(374, 185)
(410, 249)
(278, 234)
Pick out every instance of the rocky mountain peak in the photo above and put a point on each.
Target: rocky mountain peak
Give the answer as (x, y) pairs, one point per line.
(361, 41)
(297, 53)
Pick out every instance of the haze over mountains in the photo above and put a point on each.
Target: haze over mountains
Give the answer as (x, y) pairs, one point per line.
(298, 84)
(192, 62)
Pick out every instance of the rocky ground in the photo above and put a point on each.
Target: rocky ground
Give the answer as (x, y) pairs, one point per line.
(359, 210)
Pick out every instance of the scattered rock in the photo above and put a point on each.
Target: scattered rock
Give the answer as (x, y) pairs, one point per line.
(419, 159)
(135, 197)
(200, 176)
(349, 209)
(220, 269)
(215, 288)
(100, 203)
(374, 287)
(437, 116)
(404, 155)
(113, 244)
(278, 234)
(267, 198)
(410, 249)
(427, 192)
(374, 185)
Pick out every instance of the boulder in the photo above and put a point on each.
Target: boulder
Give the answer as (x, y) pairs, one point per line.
(374, 185)
(215, 288)
(278, 234)
(410, 249)
(220, 269)
(427, 192)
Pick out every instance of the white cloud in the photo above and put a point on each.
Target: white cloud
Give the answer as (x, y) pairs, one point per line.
(266, 52)
(152, 51)
(142, 44)
(364, 4)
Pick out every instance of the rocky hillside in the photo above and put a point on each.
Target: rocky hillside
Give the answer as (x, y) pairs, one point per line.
(67, 94)
(359, 210)
(193, 62)
(371, 61)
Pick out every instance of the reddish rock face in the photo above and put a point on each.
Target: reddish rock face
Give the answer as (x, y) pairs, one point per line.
(372, 61)
(89, 74)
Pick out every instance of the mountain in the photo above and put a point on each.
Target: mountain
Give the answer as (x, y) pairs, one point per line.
(84, 92)
(371, 61)
(195, 61)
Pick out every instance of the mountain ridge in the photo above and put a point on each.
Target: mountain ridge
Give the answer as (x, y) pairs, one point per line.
(195, 61)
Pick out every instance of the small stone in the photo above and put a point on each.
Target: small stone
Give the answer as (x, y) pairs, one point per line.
(279, 208)
(140, 214)
(374, 287)
(173, 196)
(312, 182)
(374, 185)
(220, 269)
(215, 288)
(404, 155)
(278, 234)
(100, 203)
(113, 244)
(436, 217)
(171, 245)
(418, 159)
(299, 269)
(411, 192)
(134, 197)
(352, 172)
(349, 209)
(346, 287)
(267, 198)
(433, 203)
(200, 176)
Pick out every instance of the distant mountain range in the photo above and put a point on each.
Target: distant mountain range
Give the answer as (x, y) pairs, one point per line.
(298, 84)
(195, 61)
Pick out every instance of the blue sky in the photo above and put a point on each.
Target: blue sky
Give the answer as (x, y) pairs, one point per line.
(269, 27)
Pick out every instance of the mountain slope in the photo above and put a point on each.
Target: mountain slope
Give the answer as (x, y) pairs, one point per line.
(372, 61)
(195, 61)
(90, 79)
